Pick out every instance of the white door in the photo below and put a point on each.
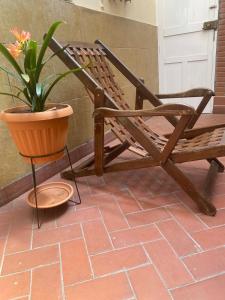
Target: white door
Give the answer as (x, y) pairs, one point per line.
(187, 53)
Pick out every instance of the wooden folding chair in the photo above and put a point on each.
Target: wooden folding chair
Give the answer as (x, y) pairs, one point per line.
(182, 145)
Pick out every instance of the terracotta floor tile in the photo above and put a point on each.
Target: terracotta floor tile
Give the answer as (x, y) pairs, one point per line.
(147, 217)
(219, 201)
(126, 202)
(147, 285)
(13, 286)
(3, 230)
(210, 289)
(6, 217)
(50, 276)
(96, 237)
(184, 199)
(169, 265)
(23, 217)
(114, 287)
(219, 219)
(210, 238)
(75, 263)
(113, 217)
(30, 259)
(19, 239)
(133, 236)
(186, 218)
(2, 245)
(162, 200)
(60, 234)
(118, 260)
(178, 238)
(219, 189)
(78, 216)
(96, 200)
(206, 263)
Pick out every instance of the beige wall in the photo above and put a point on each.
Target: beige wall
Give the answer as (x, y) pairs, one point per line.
(139, 10)
(135, 43)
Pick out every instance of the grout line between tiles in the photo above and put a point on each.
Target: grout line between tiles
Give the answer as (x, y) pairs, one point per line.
(130, 284)
(175, 253)
(86, 248)
(61, 274)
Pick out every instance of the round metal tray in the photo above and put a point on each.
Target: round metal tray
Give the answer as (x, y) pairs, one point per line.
(51, 194)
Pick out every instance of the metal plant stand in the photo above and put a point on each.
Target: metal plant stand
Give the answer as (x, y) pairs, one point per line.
(35, 181)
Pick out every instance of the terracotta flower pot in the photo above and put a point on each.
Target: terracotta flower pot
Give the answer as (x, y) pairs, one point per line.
(40, 133)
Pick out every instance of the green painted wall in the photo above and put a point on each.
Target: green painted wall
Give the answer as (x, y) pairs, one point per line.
(134, 42)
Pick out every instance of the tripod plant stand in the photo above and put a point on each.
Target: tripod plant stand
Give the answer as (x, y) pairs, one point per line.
(32, 158)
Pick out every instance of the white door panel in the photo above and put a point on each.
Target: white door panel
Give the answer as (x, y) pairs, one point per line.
(186, 52)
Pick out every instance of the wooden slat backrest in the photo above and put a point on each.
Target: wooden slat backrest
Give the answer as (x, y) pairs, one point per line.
(101, 72)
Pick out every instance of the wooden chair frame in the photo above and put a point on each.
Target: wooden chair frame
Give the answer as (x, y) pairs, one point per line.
(105, 107)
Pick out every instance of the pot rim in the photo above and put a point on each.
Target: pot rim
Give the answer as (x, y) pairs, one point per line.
(17, 114)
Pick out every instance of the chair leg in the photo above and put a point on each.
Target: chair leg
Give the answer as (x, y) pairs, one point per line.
(219, 164)
(204, 205)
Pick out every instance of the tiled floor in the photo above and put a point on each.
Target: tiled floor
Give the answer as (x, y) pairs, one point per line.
(136, 235)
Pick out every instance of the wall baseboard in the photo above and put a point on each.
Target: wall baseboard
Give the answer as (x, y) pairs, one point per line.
(22, 185)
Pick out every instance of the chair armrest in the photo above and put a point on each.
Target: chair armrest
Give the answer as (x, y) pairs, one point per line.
(198, 92)
(162, 110)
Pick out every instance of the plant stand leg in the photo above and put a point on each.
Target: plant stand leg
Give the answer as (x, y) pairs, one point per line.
(35, 191)
(74, 178)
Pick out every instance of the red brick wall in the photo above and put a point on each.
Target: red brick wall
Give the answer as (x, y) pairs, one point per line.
(219, 101)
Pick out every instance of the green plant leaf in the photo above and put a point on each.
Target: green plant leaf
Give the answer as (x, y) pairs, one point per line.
(39, 89)
(10, 73)
(10, 59)
(44, 47)
(58, 79)
(12, 95)
(54, 54)
(25, 77)
(30, 55)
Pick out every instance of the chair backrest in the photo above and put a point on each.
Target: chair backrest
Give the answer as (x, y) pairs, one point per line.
(100, 70)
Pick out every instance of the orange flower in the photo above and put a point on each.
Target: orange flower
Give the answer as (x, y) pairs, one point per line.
(22, 36)
(15, 49)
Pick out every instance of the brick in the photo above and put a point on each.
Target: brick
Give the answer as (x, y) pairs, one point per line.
(207, 263)
(188, 220)
(113, 287)
(133, 236)
(147, 217)
(147, 284)
(118, 260)
(30, 259)
(96, 237)
(169, 265)
(178, 238)
(50, 276)
(213, 288)
(13, 286)
(56, 235)
(210, 238)
(75, 263)
(78, 216)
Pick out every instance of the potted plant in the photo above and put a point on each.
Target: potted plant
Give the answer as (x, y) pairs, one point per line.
(37, 128)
